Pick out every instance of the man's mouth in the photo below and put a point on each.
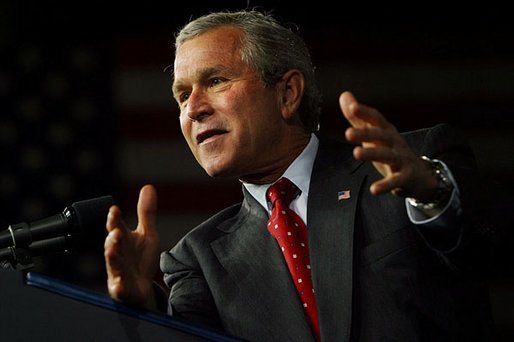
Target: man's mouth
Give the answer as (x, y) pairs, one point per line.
(200, 138)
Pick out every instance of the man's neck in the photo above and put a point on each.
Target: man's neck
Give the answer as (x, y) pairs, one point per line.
(299, 172)
(274, 171)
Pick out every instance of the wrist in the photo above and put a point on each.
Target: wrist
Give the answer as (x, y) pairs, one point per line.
(442, 193)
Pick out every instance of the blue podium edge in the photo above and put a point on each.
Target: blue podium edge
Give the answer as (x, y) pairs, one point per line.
(65, 289)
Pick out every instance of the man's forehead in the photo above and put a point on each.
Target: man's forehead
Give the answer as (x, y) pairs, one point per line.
(204, 52)
(202, 73)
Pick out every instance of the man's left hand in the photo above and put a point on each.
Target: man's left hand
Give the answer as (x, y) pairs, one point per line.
(405, 173)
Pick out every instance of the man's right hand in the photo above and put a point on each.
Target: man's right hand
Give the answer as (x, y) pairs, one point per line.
(132, 256)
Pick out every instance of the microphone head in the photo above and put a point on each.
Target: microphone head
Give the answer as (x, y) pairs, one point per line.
(92, 213)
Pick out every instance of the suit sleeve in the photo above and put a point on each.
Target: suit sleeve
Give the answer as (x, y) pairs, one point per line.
(467, 244)
(190, 297)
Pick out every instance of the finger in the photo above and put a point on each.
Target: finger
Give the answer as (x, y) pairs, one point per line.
(112, 253)
(371, 116)
(113, 245)
(380, 154)
(147, 209)
(370, 134)
(114, 219)
(349, 104)
(115, 286)
(360, 115)
(113, 240)
(387, 184)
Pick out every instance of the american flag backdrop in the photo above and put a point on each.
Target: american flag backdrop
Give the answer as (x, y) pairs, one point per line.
(56, 139)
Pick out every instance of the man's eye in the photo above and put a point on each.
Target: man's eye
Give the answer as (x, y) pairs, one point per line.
(215, 81)
(183, 97)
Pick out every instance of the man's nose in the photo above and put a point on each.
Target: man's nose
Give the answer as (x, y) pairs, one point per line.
(198, 105)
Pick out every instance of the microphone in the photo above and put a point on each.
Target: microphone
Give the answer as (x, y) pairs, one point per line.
(74, 219)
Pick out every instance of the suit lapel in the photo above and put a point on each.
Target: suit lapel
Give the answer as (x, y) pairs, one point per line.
(331, 237)
(250, 255)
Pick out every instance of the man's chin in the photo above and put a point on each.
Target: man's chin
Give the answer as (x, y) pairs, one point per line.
(220, 173)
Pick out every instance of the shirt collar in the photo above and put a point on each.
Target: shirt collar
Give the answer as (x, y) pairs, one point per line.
(299, 172)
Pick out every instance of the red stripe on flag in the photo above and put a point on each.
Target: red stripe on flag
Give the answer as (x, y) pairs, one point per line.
(188, 197)
(149, 125)
(142, 50)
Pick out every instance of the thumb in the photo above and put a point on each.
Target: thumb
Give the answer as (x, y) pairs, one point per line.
(147, 208)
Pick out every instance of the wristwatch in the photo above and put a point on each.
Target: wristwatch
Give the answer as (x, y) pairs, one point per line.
(444, 187)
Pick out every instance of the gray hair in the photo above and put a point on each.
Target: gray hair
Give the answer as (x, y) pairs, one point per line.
(270, 48)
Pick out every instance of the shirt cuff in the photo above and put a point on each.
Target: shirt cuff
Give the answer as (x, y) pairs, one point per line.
(446, 217)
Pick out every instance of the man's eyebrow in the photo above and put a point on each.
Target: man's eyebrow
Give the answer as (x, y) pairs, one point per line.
(200, 74)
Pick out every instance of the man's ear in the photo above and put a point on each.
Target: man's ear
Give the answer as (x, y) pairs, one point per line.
(292, 88)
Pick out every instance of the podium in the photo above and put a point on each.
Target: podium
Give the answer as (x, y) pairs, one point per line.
(36, 307)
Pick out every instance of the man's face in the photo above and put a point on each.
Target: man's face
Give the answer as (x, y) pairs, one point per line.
(229, 119)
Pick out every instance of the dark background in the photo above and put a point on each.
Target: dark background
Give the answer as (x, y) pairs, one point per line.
(65, 133)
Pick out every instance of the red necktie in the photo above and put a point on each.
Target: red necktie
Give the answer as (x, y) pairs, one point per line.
(291, 234)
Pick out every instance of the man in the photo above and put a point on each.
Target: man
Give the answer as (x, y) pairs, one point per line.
(391, 236)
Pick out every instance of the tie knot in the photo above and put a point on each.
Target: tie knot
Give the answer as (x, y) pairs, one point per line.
(283, 190)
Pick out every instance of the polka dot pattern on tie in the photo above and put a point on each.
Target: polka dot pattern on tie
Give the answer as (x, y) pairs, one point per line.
(291, 234)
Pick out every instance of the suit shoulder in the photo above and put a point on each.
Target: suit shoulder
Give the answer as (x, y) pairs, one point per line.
(432, 140)
(441, 129)
(438, 128)
(214, 226)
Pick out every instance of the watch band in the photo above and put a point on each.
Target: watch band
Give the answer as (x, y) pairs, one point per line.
(444, 187)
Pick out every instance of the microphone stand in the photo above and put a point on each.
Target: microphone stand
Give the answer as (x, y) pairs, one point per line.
(20, 257)
(15, 258)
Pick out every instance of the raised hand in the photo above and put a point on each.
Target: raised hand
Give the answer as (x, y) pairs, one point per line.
(132, 256)
(405, 173)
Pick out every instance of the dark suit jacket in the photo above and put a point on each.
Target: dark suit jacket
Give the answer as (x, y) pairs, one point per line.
(377, 276)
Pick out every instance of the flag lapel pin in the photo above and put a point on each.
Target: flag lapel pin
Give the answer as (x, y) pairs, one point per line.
(343, 195)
